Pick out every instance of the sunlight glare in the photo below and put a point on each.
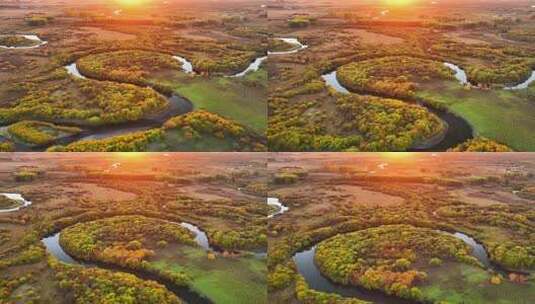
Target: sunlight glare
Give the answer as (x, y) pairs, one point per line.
(399, 2)
(398, 155)
(131, 2)
(131, 155)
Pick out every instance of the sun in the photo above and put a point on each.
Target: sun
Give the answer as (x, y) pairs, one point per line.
(131, 2)
(398, 155)
(131, 155)
(399, 2)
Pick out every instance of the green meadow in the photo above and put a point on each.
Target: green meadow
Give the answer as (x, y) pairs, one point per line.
(242, 99)
(457, 283)
(224, 280)
(505, 116)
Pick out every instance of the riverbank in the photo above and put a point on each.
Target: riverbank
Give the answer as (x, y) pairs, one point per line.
(307, 267)
(17, 202)
(167, 265)
(276, 203)
(454, 132)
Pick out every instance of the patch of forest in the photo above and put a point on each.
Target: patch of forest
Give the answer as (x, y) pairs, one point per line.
(364, 123)
(186, 132)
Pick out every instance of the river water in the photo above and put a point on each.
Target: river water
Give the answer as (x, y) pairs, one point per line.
(523, 85)
(304, 261)
(53, 247)
(16, 197)
(177, 106)
(272, 201)
(293, 41)
(458, 129)
(461, 76)
(478, 250)
(200, 236)
(253, 67)
(187, 66)
(307, 268)
(72, 69)
(332, 81)
(29, 37)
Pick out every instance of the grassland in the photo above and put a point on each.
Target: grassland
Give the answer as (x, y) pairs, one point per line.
(506, 116)
(455, 283)
(222, 280)
(241, 100)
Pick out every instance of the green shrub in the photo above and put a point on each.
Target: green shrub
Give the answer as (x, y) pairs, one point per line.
(285, 178)
(38, 20)
(481, 144)
(39, 133)
(435, 262)
(25, 176)
(6, 146)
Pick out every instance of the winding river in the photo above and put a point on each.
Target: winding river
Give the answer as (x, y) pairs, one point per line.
(200, 236)
(298, 46)
(332, 81)
(304, 261)
(187, 66)
(177, 106)
(18, 198)
(53, 247)
(272, 201)
(458, 129)
(34, 38)
(523, 85)
(72, 69)
(253, 67)
(461, 76)
(478, 250)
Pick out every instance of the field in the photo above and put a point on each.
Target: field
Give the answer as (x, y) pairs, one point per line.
(505, 116)
(133, 227)
(230, 99)
(222, 281)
